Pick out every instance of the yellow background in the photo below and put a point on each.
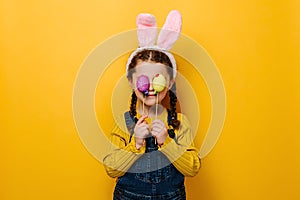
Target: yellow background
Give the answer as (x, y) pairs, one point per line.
(255, 45)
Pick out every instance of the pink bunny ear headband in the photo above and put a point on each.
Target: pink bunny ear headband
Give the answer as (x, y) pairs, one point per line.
(147, 31)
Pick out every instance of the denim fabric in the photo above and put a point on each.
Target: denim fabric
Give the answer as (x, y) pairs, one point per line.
(121, 194)
(154, 183)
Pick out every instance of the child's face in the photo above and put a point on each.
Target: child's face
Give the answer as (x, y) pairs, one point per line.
(150, 69)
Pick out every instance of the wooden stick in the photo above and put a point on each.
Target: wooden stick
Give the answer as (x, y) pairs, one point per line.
(144, 106)
(156, 112)
(156, 106)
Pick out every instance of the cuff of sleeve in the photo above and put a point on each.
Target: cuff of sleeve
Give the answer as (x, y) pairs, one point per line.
(131, 147)
(167, 141)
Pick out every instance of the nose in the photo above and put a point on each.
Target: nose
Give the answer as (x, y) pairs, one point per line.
(150, 86)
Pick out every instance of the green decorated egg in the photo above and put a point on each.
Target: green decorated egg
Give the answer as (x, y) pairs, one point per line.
(159, 83)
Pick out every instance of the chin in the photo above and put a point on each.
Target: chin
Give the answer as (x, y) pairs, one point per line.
(150, 101)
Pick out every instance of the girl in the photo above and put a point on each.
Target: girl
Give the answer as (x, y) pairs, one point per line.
(152, 144)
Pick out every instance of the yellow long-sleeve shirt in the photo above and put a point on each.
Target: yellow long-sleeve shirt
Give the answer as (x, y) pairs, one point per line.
(123, 153)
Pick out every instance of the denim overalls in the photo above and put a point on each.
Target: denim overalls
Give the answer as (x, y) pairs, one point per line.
(151, 177)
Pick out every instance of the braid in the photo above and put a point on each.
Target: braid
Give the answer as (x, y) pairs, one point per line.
(172, 111)
(132, 111)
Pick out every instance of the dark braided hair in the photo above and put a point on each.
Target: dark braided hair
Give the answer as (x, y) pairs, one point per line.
(174, 122)
(156, 57)
(132, 110)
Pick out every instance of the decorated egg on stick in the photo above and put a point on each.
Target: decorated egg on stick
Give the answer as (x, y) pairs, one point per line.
(143, 84)
(159, 82)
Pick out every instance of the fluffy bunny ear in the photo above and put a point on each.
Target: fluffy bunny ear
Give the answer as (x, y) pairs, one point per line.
(170, 31)
(146, 29)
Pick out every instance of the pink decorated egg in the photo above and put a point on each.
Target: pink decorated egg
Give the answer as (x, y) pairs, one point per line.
(143, 84)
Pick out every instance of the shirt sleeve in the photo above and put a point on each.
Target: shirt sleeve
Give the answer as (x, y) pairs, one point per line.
(183, 154)
(121, 154)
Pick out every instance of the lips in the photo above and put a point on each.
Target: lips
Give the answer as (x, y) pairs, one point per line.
(152, 93)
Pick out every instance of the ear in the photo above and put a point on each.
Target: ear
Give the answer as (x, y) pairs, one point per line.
(146, 29)
(170, 31)
(132, 85)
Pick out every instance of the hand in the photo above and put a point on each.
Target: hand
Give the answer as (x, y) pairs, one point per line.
(141, 131)
(159, 131)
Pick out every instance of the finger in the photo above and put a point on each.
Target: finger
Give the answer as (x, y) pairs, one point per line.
(143, 125)
(159, 142)
(146, 132)
(157, 139)
(156, 131)
(159, 132)
(158, 126)
(157, 121)
(141, 120)
(142, 134)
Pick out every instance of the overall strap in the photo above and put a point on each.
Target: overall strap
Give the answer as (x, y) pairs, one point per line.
(130, 124)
